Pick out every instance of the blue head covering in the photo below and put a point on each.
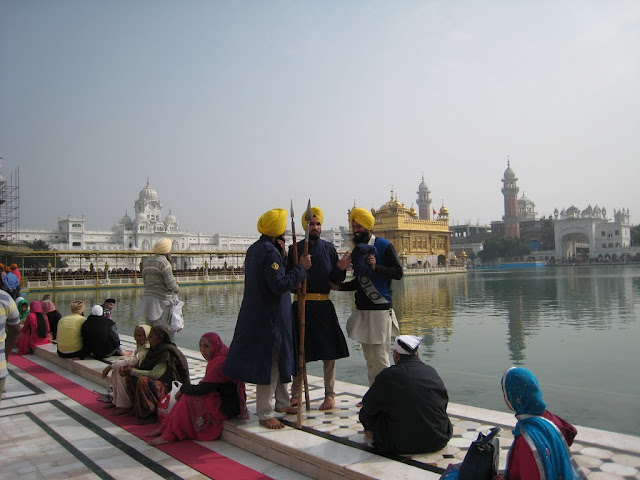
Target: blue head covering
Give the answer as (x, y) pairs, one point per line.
(522, 392)
(523, 396)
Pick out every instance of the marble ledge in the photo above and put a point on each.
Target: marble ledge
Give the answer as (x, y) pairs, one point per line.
(315, 456)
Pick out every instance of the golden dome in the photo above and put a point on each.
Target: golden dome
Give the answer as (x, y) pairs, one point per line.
(392, 207)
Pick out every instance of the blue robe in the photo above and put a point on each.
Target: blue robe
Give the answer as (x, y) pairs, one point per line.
(323, 339)
(264, 321)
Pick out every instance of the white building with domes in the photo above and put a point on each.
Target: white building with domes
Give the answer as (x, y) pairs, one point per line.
(146, 226)
(589, 232)
(137, 233)
(570, 233)
(526, 209)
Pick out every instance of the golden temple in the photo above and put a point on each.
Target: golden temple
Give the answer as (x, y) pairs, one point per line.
(418, 242)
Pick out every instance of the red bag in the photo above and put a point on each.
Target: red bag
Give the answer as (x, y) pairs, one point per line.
(166, 403)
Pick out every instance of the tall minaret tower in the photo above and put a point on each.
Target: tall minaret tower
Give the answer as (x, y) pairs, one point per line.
(510, 193)
(423, 201)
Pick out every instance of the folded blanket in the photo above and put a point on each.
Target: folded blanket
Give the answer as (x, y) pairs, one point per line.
(358, 256)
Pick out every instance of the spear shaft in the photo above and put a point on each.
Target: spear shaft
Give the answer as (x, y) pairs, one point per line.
(302, 302)
(301, 376)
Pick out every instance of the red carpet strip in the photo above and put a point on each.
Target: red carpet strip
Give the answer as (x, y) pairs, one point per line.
(206, 461)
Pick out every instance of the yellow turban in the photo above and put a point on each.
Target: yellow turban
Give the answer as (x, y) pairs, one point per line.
(162, 246)
(273, 223)
(315, 212)
(363, 217)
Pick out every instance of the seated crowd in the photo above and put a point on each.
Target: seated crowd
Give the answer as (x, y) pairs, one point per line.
(79, 337)
(76, 336)
(404, 411)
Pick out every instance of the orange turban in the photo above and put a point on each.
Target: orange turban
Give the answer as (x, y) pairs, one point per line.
(363, 217)
(273, 223)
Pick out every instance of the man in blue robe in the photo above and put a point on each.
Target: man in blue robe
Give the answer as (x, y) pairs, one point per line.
(261, 351)
(323, 338)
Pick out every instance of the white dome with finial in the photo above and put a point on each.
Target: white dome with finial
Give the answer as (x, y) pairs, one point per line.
(171, 218)
(148, 193)
(423, 186)
(509, 173)
(126, 220)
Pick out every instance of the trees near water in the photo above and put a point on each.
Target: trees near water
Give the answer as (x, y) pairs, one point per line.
(635, 235)
(499, 247)
(29, 261)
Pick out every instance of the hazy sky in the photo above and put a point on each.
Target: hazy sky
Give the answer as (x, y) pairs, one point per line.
(231, 108)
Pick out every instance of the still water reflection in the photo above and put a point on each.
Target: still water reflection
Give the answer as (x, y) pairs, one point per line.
(577, 329)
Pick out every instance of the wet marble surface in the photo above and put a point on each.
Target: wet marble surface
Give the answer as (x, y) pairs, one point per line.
(41, 437)
(331, 444)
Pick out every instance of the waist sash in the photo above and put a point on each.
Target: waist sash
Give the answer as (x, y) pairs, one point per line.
(314, 297)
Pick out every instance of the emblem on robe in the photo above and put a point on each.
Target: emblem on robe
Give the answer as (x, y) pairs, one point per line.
(275, 266)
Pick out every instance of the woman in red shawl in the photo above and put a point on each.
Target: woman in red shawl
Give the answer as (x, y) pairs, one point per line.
(35, 330)
(202, 409)
(152, 378)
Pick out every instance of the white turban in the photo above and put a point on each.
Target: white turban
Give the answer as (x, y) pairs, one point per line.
(162, 246)
(97, 310)
(407, 344)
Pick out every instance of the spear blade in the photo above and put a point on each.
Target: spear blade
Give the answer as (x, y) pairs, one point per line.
(293, 224)
(308, 219)
(293, 235)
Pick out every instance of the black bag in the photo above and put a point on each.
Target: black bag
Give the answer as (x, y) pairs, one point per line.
(482, 458)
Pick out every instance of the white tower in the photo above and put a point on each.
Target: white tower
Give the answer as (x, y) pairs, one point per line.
(423, 201)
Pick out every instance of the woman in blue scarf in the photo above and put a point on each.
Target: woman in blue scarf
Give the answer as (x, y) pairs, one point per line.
(540, 448)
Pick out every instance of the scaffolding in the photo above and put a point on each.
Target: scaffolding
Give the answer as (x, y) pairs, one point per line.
(9, 206)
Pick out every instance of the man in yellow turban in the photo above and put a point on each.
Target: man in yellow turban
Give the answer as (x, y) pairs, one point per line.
(324, 339)
(375, 264)
(362, 217)
(159, 286)
(273, 223)
(261, 351)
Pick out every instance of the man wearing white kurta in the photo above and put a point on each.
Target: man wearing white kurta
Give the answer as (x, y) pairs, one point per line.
(375, 264)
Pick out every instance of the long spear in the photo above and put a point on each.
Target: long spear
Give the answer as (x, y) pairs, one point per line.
(302, 302)
(301, 364)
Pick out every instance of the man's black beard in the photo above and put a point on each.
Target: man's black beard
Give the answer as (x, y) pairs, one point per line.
(361, 237)
(313, 238)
